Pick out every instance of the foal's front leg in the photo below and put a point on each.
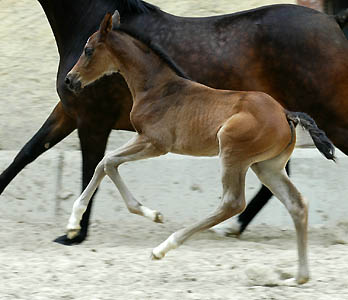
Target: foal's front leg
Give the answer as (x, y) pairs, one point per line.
(137, 148)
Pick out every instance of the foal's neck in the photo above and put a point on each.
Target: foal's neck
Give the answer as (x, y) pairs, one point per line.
(142, 69)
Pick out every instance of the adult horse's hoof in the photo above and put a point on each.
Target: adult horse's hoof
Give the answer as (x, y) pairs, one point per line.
(73, 233)
(64, 240)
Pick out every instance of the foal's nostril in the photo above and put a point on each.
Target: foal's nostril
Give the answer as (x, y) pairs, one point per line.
(73, 83)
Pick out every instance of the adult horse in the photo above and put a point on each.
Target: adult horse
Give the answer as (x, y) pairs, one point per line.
(293, 53)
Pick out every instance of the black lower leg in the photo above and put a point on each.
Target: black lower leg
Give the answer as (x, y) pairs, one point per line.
(93, 145)
(57, 127)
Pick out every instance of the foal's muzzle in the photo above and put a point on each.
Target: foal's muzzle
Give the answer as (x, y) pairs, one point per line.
(73, 83)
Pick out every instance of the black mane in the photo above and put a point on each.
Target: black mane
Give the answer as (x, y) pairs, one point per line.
(126, 7)
(156, 49)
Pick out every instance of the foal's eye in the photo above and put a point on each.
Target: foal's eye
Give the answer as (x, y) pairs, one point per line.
(88, 52)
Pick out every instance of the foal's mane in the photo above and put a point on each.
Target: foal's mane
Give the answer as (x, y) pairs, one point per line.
(134, 7)
(156, 49)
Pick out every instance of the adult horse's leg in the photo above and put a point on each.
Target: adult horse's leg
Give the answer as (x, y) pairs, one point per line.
(235, 227)
(93, 145)
(58, 126)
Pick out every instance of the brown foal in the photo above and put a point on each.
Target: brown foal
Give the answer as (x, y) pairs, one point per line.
(173, 114)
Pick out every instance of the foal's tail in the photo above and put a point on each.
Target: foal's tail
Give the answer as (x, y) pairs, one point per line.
(321, 141)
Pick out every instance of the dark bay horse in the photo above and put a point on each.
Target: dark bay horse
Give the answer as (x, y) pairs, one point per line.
(295, 54)
(171, 113)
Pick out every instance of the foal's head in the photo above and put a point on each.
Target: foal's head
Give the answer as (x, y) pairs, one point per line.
(96, 59)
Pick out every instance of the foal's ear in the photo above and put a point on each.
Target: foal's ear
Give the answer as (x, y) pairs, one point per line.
(116, 20)
(105, 26)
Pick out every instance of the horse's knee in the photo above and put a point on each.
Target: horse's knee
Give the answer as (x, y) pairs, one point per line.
(100, 167)
(108, 164)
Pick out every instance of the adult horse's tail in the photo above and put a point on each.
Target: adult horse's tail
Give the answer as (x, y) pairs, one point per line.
(321, 141)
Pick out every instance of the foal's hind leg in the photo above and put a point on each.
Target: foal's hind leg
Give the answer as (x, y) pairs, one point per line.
(233, 202)
(135, 149)
(236, 226)
(272, 174)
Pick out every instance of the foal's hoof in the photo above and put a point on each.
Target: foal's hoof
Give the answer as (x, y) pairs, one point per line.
(296, 281)
(158, 217)
(154, 256)
(302, 280)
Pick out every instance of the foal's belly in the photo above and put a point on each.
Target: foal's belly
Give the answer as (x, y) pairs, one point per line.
(196, 146)
(194, 152)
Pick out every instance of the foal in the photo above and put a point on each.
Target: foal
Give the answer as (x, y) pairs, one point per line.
(173, 114)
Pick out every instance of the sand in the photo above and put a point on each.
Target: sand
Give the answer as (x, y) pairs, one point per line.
(114, 263)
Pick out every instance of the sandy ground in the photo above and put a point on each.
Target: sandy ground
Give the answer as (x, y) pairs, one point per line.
(114, 262)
